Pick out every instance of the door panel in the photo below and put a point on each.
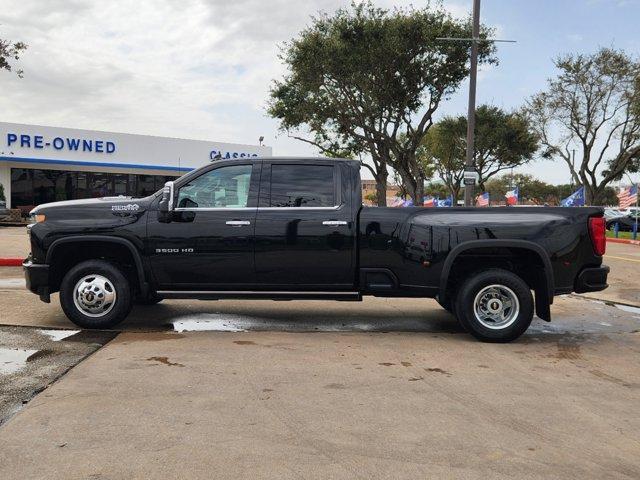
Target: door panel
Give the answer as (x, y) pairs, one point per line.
(209, 244)
(304, 233)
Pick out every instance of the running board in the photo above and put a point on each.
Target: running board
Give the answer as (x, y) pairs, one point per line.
(259, 295)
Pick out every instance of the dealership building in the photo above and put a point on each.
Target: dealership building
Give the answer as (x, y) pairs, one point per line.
(46, 164)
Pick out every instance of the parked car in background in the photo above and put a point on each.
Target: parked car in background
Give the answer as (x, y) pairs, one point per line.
(610, 213)
(625, 223)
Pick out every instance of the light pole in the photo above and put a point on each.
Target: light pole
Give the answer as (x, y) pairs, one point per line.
(469, 170)
(470, 175)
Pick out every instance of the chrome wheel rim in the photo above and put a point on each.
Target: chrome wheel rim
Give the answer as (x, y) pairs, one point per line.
(94, 295)
(496, 307)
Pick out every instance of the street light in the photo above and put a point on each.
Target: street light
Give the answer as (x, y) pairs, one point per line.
(470, 174)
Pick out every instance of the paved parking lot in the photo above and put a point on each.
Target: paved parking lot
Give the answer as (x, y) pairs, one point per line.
(379, 389)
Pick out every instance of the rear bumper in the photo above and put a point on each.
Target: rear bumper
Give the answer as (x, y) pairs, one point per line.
(37, 278)
(592, 279)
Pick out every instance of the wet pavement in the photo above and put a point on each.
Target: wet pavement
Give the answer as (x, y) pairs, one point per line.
(31, 359)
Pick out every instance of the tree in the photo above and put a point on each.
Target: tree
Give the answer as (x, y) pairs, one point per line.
(503, 141)
(530, 188)
(445, 143)
(593, 105)
(368, 80)
(10, 51)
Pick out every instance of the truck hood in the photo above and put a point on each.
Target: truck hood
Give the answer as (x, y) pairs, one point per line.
(97, 206)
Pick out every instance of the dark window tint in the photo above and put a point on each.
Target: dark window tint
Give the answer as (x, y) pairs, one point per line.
(302, 186)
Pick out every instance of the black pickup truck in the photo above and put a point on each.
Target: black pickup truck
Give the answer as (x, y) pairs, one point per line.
(285, 229)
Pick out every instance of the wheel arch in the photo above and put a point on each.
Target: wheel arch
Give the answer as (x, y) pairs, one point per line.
(544, 290)
(84, 240)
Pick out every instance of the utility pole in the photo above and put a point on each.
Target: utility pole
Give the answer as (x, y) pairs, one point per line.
(469, 170)
(470, 174)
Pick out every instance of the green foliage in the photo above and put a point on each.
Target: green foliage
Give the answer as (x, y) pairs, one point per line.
(592, 106)
(10, 51)
(437, 189)
(372, 197)
(368, 80)
(537, 192)
(503, 141)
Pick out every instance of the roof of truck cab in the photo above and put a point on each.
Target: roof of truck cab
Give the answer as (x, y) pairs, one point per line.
(304, 159)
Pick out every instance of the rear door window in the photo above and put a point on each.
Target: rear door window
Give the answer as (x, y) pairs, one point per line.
(302, 186)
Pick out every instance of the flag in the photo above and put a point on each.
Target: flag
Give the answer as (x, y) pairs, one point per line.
(482, 200)
(512, 196)
(397, 202)
(447, 202)
(628, 196)
(576, 199)
(429, 202)
(407, 203)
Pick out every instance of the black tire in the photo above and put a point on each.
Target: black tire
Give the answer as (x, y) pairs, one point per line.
(115, 283)
(519, 316)
(152, 299)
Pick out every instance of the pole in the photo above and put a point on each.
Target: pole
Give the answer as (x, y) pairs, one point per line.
(636, 213)
(469, 188)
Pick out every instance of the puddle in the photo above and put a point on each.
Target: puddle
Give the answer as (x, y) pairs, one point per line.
(220, 322)
(627, 308)
(619, 306)
(57, 335)
(12, 283)
(207, 322)
(13, 359)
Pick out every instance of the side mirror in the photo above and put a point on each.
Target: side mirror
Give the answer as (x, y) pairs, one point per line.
(165, 207)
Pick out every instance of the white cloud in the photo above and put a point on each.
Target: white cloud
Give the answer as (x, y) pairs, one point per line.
(192, 68)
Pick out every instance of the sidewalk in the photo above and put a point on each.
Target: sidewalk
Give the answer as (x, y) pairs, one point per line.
(14, 242)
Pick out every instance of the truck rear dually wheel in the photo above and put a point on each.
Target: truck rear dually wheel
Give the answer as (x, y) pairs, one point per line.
(495, 305)
(95, 294)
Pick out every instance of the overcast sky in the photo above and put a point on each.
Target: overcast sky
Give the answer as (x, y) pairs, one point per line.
(202, 69)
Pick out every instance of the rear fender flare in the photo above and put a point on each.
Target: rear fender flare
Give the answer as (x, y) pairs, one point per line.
(544, 298)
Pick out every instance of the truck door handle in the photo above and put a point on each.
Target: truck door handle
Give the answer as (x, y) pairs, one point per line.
(238, 223)
(334, 223)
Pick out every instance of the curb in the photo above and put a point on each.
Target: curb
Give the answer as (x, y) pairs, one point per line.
(623, 240)
(11, 262)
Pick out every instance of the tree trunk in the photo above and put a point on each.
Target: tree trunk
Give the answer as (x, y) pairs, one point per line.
(418, 194)
(381, 190)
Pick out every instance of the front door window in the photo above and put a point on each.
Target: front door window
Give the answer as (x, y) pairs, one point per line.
(226, 187)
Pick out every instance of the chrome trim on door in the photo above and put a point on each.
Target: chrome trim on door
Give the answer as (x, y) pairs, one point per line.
(237, 223)
(275, 209)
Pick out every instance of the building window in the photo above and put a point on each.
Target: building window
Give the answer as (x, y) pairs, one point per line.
(31, 187)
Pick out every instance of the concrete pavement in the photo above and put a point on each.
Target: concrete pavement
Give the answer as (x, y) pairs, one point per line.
(325, 405)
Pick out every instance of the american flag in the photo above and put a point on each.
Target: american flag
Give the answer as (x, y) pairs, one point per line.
(628, 196)
(483, 200)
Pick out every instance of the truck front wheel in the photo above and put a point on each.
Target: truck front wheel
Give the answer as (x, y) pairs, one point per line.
(495, 306)
(95, 294)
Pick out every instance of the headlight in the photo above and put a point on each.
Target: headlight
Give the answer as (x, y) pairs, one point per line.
(36, 218)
